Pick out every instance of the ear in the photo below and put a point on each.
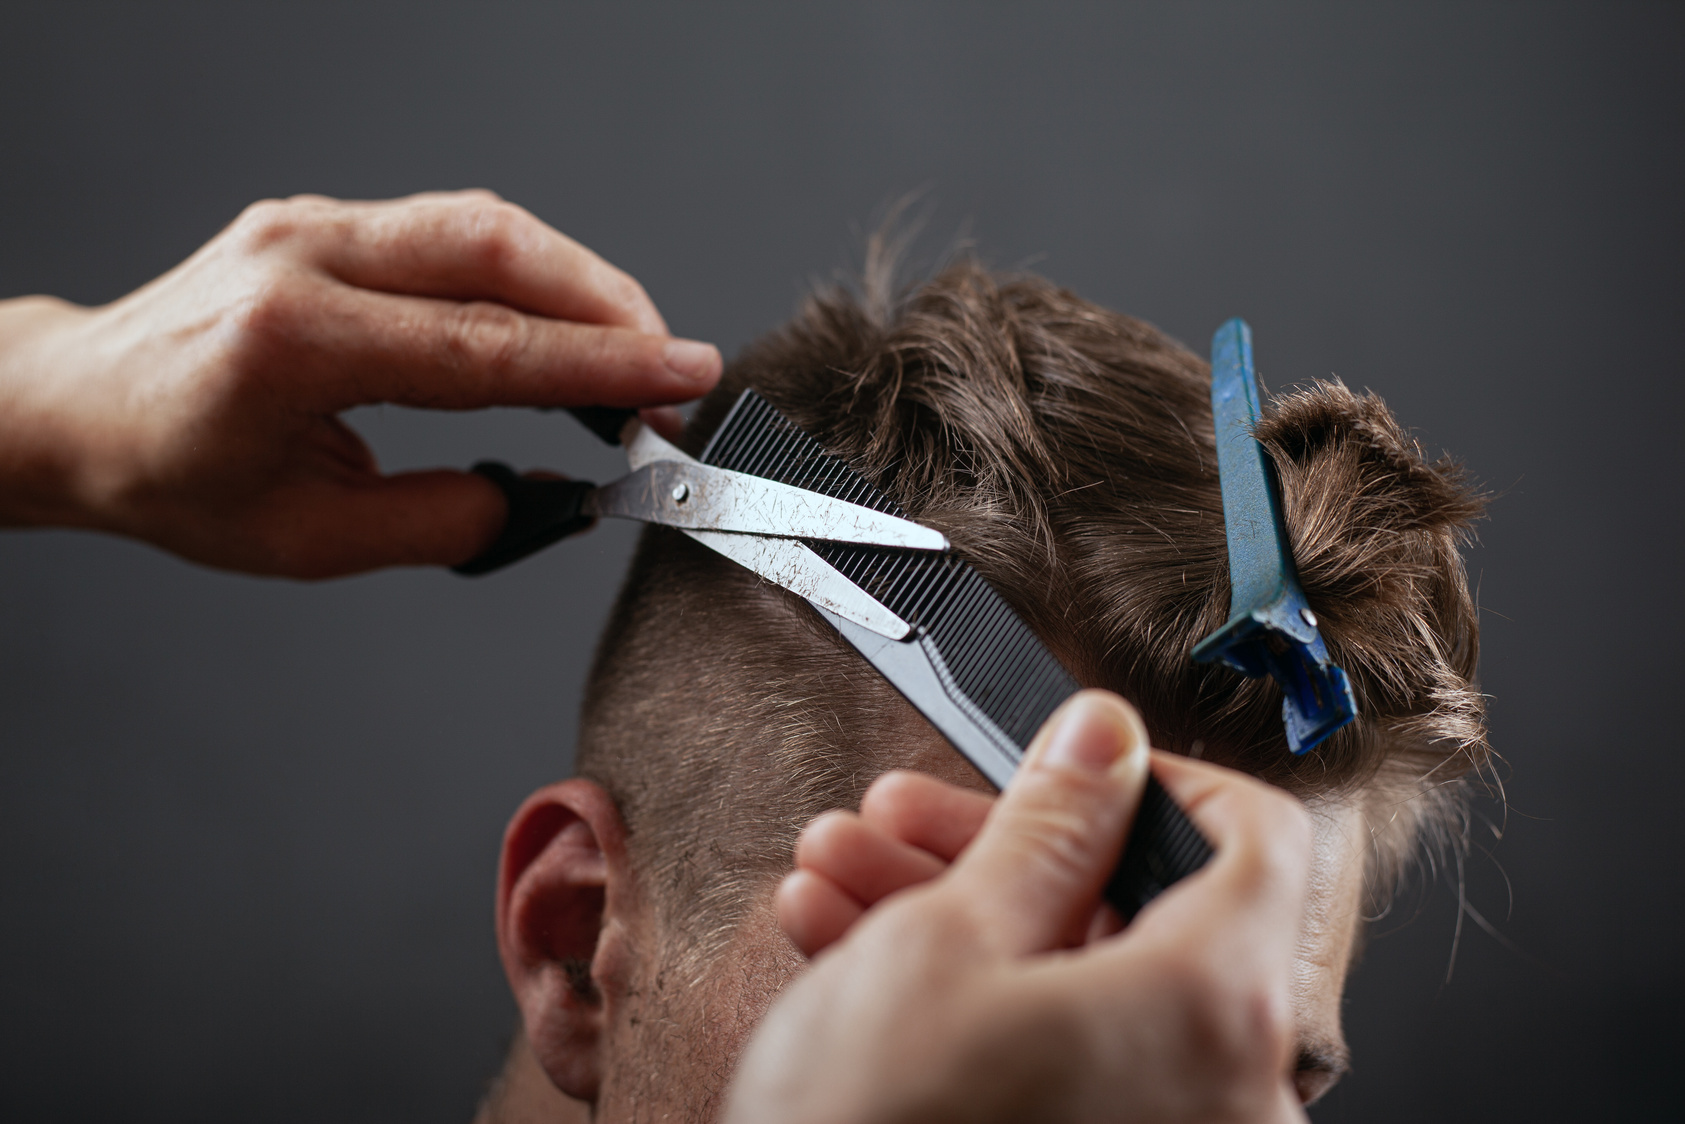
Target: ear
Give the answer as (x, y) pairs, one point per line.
(561, 910)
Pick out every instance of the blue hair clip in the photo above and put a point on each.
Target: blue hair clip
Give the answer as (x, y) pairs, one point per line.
(1271, 629)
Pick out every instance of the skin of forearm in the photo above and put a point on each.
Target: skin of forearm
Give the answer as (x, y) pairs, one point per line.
(43, 452)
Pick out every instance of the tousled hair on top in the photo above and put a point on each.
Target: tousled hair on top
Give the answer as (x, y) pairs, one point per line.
(1067, 452)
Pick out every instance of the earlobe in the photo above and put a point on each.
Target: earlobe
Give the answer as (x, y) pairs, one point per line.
(562, 865)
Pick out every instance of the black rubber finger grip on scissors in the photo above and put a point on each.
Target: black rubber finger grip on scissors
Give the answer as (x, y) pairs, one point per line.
(605, 421)
(540, 513)
(1163, 848)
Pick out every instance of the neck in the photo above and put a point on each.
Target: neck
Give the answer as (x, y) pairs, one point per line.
(523, 1094)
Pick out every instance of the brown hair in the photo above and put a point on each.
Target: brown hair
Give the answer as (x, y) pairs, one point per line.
(1067, 452)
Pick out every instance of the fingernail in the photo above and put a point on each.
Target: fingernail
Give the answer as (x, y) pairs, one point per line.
(692, 360)
(1093, 733)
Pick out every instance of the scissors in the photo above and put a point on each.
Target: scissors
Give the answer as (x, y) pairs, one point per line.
(966, 661)
(756, 522)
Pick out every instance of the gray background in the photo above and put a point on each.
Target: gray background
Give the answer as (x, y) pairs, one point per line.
(248, 828)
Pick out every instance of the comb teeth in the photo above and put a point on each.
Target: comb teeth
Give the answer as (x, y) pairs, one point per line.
(758, 440)
(996, 661)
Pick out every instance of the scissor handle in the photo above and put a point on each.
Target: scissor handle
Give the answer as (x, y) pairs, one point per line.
(540, 512)
(605, 421)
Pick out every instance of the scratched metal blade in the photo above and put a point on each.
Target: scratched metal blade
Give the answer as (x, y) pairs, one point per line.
(788, 563)
(974, 668)
(689, 495)
(916, 669)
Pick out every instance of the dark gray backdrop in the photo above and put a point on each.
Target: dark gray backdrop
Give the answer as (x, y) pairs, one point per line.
(248, 828)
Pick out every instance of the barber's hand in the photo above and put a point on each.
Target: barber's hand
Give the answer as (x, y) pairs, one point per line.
(967, 993)
(200, 412)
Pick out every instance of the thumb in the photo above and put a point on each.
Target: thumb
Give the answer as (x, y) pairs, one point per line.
(1037, 866)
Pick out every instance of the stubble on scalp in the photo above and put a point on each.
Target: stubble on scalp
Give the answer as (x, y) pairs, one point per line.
(685, 1021)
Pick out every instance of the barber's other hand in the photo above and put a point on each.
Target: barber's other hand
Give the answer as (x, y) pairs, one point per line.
(967, 993)
(200, 412)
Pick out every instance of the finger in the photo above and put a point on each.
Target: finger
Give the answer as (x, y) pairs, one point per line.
(1035, 869)
(664, 420)
(929, 814)
(1218, 946)
(1248, 898)
(1287, 1108)
(813, 912)
(325, 530)
(862, 860)
(474, 246)
(356, 347)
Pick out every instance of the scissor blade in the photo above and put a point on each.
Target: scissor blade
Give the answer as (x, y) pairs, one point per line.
(694, 496)
(788, 563)
(916, 669)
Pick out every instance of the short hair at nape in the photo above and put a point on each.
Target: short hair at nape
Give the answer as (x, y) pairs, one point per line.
(1067, 451)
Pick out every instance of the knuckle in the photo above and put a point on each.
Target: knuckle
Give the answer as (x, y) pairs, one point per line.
(825, 832)
(271, 316)
(494, 230)
(624, 290)
(929, 923)
(1295, 820)
(1254, 1022)
(638, 351)
(614, 354)
(263, 221)
(1235, 1023)
(1061, 840)
(269, 222)
(1283, 839)
(889, 795)
(486, 338)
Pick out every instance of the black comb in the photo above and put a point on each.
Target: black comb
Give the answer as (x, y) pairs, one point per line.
(971, 665)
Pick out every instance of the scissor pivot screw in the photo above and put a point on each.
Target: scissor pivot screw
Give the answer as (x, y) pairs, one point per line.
(1309, 617)
(681, 493)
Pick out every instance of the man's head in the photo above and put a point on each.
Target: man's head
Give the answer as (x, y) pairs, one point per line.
(1068, 453)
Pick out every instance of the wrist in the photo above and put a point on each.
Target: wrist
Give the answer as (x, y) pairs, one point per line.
(42, 454)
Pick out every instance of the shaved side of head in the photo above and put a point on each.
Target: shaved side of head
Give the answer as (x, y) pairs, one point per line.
(1068, 453)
